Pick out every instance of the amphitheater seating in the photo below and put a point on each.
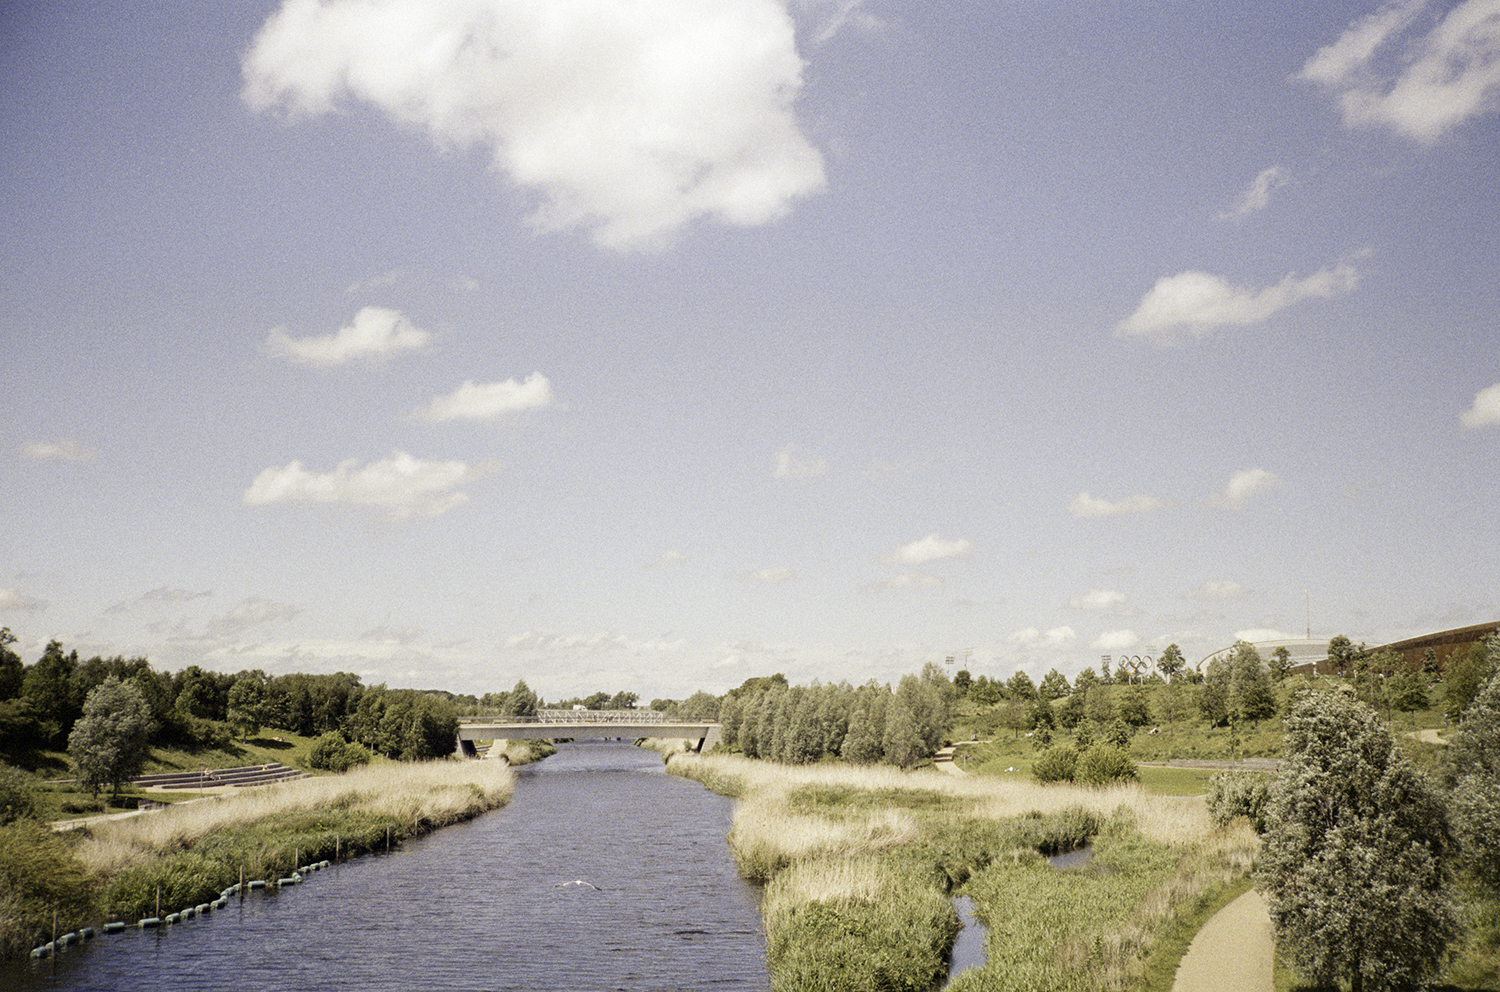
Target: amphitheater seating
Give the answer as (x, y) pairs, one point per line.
(213, 777)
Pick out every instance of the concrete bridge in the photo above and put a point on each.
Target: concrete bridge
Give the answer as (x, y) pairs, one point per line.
(573, 724)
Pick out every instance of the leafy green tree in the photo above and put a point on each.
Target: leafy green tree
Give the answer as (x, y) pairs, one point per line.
(1054, 685)
(1021, 686)
(330, 752)
(1341, 654)
(903, 742)
(247, 699)
(110, 742)
(17, 796)
(48, 686)
(1251, 696)
(1134, 706)
(1170, 662)
(522, 701)
(12, 669)
(1407, 691)
(1463, 676)
(1353, 864)
(986, 692)
(1280, 663)
(1474, 757)
(962, 680)
(862, 745)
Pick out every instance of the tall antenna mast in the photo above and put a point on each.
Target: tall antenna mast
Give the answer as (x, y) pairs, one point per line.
(1308, 594)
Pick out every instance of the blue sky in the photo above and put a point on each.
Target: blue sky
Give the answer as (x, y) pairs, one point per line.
(657, 344)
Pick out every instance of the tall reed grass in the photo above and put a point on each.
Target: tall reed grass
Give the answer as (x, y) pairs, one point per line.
(855, 857)
(188, 853)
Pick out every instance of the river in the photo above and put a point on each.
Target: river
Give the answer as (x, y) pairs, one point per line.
(484, 905)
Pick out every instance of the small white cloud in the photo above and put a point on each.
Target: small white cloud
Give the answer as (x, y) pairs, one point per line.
(62, 450)
(1028, 637)
(1218, 591)
(1116, 640)
(487, 401)
(667, 558)
(768, 576)
(627, 119)
(1485, 411)
(1433, 82)
(16, 601)
(249, 613)
(403, 485)
(1087, 505)
(908, 580)
(930, 548)
(1257, 634)
(1258, 195)
(793, 463)
(1243, 485)
(374, 334)
(1098, 599)
(833, 16)
(1197, 302)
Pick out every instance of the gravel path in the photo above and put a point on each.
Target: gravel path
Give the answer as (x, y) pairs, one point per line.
(1232, 953)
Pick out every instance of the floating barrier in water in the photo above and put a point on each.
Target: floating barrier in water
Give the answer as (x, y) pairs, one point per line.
(173, 917)
(68, 939)
(45, 951)
(149, 923)
(203, 908)
(259, 883)
(291, 879)
(115, 927)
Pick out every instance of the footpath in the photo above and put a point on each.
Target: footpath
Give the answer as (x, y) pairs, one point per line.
(1233, 951)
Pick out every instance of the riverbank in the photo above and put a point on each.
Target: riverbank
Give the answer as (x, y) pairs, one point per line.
(187, 854)
(860, 864)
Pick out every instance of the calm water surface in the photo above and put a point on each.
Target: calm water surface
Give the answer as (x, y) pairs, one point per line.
(480, 906)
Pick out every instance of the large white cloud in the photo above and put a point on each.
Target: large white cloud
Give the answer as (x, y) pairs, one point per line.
(1197, 302)
(1116, 640)
(1087, 505)
(1426, 84)
(16, 601)
(404, 486)
(628, 117)
(375, 333)
(930, 548)
(1486, 409)
(489, 400)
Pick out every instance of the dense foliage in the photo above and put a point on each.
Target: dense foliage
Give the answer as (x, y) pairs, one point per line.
(1354, 865)
(767, 718)
(109, 742)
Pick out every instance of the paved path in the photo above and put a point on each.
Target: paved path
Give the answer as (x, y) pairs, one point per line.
(1427, 736)
(944, 762)
(1232, 953)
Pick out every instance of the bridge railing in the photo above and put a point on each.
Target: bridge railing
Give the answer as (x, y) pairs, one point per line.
(573, 717)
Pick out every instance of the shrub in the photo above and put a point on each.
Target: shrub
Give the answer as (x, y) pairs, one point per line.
(1236, 793)
(1056, 764)
(334, 754)
(17, 797)
(1104, 764)
(39, 876)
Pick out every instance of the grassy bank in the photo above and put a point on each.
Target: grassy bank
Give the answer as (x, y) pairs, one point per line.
(860, 863)
(190, 852)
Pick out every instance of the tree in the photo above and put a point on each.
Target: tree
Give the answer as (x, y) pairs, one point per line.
(521, 701)
(1474, 756)
(1280, 663)
(109, 742)
(1054, 685)
(12, 670)
(961, 682)
(1463, 675)
(1353, 865)
(1021, 686)
(1171, 662)
(1341, 654)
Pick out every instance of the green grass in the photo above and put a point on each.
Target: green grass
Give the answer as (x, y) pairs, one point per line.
(1161, 965)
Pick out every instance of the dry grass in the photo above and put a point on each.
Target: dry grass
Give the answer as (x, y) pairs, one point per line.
(410, 793)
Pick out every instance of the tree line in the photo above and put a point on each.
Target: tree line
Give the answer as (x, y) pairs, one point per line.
(768, 718)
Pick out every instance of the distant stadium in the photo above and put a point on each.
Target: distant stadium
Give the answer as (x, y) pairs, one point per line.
(1311, 655)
